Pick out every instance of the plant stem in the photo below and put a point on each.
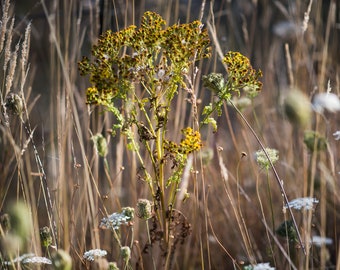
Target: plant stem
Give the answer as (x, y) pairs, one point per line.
(284, 195)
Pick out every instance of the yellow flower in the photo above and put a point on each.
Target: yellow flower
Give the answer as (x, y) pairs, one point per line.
(241, 74)
(191, 142)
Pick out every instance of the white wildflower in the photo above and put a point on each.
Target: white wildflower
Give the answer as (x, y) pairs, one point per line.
(305, 203)
(319, 241)
(259, 266)
(29, 258)
(36, 260)
(262, 158)
(326, 101)
(337, 135)
(115, 220)
(94, 253)
(285, 29)
(19, 259)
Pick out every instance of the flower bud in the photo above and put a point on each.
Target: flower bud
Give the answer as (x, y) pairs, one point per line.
(100, 144)
(61, 260)
(297, 108)
(125, 252)
(45, 236)
(21, 220)
(14, 104)
(144, 209)
(314, 141)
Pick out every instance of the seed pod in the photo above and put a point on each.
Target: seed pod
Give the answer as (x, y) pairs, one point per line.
(100, 144)
(14, 104)
(125, 253)
(314, 141)
(61, 260)
(144, 209)
(45, 236)
(297, 108)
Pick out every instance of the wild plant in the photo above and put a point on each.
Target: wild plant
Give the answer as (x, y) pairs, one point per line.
(135, 74)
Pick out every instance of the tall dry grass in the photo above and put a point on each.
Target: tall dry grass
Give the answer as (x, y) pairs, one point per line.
(48, 160)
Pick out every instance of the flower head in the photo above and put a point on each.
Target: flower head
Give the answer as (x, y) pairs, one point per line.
(259, 266)
(36, 260)
(29, 258)
(152, 53)
(45, 236)
(305, 203)
(191, 142)
(314, 141)
(241, 102)
(125, 253)
(319, 241)
(337, 135)
(241, 74)
(61, 260)
(113, 266)
(297, 108)
(14, 104)
(287, 229)
(144, 209)
(115, 220)
(262, 158)
(90, 255)
(207, 155)
(100, 144)
(326, 101)
(214, 82)
(21, 222)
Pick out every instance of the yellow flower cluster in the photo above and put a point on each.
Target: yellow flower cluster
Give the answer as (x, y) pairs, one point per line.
(94, 97)
(191, 142)
(241, 74)
(152, 54)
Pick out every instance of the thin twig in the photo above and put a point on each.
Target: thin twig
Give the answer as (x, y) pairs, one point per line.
(275, 174)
